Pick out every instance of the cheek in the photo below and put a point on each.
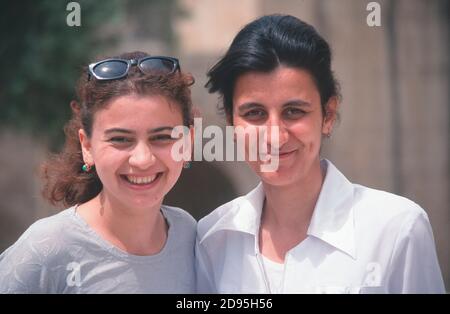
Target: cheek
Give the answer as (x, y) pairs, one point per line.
(173, 168)
(108, 159)
(308, 129)
(164, 155)
(249, 140)
(109, 164)
(237, 121)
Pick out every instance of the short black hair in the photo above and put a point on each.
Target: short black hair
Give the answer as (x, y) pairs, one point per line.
(266, 43)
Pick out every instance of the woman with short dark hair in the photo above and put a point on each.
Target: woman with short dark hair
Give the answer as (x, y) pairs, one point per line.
(305, 227)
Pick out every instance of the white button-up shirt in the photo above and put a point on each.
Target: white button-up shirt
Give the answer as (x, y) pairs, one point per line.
(359, 240)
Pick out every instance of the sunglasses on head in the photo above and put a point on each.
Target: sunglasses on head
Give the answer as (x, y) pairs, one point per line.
(113, 69)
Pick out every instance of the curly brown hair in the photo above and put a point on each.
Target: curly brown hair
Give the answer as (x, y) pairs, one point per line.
(64, 180)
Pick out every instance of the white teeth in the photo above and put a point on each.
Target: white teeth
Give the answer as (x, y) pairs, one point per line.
(141, 180)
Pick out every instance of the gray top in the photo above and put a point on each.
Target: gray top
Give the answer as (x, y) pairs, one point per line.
(63, 254)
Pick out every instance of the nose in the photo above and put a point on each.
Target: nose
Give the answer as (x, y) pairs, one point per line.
(141, 156)
(277, 132)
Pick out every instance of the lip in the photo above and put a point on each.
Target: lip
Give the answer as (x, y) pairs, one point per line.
(141, 187)
(284, 155)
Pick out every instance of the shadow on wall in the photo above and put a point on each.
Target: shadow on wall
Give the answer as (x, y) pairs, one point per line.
(200, 189)
(21, 203)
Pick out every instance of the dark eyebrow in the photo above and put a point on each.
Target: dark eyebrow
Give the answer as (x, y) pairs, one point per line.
(249, 105)
(162, 128)
(296, 102)
(120, 130)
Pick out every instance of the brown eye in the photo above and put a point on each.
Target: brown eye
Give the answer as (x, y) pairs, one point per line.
(293, 113)
(162, 138)
(119, 140)
(255, 114)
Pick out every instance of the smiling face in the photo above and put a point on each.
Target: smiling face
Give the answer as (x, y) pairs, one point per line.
(288, 99)
(131, 146)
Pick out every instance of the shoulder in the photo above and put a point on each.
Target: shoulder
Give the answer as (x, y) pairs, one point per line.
(53, 224)
(24, 266)
(181, 218)
(218, 216)
(388, 211)
(44, 233)
(383, 203)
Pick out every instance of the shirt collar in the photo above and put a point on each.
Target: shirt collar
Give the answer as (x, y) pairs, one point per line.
(332, 219)
(242, 214)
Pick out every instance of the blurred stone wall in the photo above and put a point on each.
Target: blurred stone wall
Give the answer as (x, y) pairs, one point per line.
(21, 202)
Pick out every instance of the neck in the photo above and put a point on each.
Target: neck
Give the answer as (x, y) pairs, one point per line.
(292, 206)
(287, 214)
(137, 232)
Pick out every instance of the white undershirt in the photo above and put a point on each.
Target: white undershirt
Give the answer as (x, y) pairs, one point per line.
(274, 274)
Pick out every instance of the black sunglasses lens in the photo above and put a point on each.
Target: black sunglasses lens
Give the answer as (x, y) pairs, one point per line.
(111, 69)
(157, 66)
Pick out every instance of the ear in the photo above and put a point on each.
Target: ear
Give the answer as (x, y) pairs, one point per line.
(330, 117)
(85, 147)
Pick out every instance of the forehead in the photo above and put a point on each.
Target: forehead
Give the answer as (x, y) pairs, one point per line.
(134, 112)
(281, 83)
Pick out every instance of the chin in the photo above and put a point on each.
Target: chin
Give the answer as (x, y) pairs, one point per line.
(276, 178)
(143, 201)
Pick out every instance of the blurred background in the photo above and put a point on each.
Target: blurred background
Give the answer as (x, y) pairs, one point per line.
(394, 133)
